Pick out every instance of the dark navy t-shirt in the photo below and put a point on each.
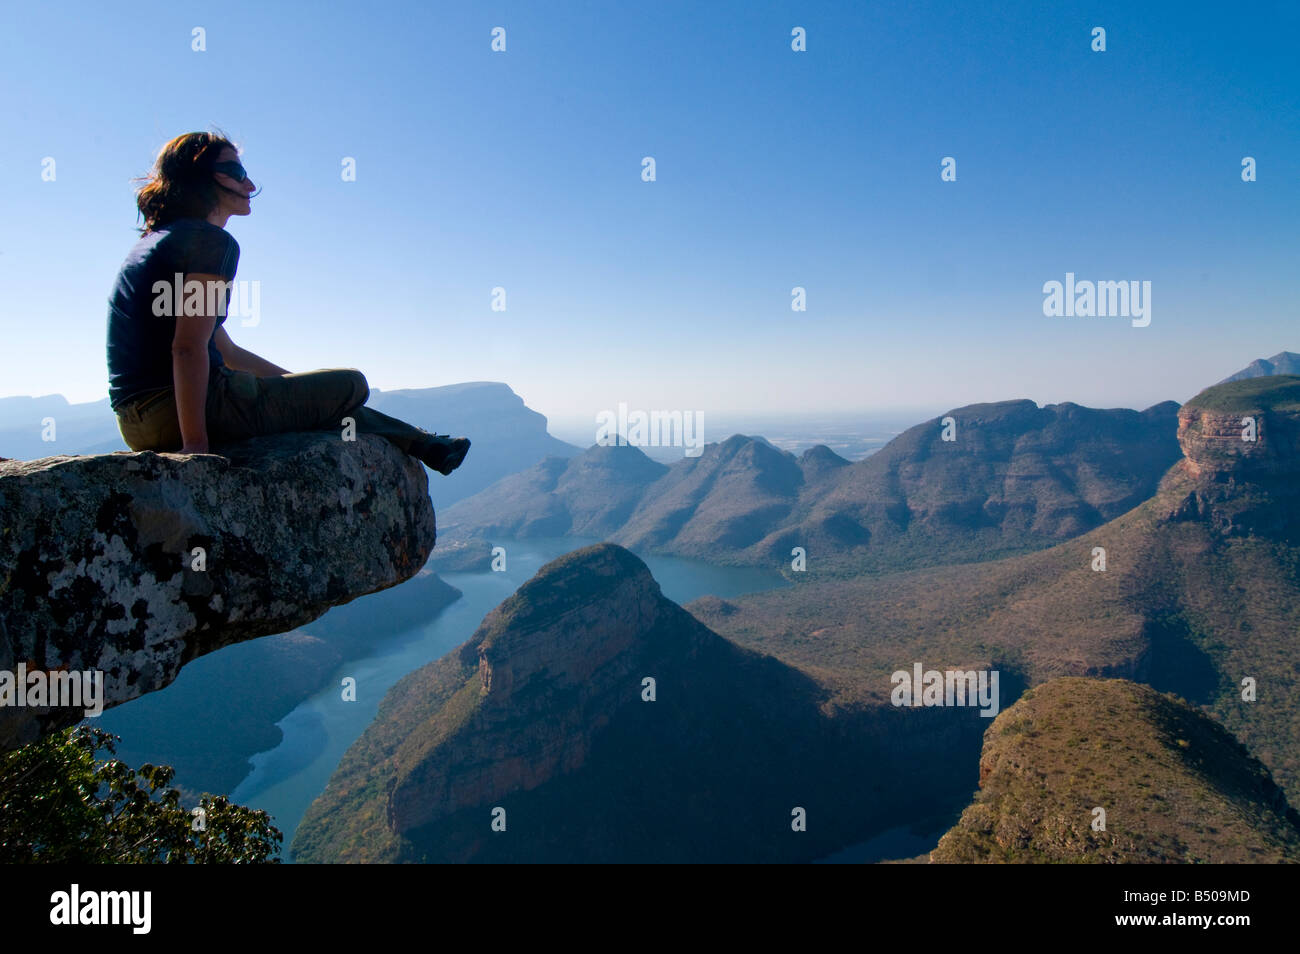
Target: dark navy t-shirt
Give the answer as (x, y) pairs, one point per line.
(140, 339)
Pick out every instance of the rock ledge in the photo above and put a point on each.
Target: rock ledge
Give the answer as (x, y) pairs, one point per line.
(99, 568)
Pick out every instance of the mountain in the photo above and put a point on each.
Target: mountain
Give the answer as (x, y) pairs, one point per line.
(89, 428)
(507, 436)
(1200, 591)
(592, 493)
(539, 713)
(1173, 784)
(1016, 477)
(1284, 362)
(542, 713)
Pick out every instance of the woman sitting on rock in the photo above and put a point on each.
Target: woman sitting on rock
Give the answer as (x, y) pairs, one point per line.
(176, 380)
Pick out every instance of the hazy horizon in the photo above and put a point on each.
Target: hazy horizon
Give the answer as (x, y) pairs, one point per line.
(571, 418)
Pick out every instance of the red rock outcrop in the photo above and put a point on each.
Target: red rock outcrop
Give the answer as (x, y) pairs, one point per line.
(1241, 458)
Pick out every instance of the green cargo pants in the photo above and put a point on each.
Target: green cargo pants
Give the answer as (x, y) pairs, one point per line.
(242, 405)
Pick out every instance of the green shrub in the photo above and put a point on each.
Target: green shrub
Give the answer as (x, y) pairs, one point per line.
(59, 803)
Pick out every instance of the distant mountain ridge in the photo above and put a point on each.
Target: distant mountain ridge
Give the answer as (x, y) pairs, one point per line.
(1015, 478)
(507, 436)
(86, 428)
(1284, 362)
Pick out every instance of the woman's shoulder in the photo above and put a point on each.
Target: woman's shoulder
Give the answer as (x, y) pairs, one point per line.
(198, 246)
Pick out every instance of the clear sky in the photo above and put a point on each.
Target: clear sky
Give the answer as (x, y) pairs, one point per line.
(775, 169)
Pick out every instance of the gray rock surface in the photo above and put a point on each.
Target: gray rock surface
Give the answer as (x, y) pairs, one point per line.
(98, 565)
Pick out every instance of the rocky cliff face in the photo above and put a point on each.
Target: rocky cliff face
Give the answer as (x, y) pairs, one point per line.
(133, 564)
(1241, 457)
(1250, 429)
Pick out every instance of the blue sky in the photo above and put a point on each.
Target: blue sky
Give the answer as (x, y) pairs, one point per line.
(775, 169)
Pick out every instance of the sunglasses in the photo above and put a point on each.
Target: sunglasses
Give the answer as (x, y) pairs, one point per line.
(232, 169)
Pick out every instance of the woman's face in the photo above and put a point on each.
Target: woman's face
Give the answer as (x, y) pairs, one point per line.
(239, 204)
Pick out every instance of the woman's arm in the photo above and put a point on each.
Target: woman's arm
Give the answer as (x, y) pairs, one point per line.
(190, 372)
(238, 359)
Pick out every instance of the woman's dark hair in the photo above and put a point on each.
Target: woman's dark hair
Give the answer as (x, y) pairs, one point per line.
(180, 185)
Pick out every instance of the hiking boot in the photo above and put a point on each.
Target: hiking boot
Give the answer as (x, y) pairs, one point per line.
(441, 453)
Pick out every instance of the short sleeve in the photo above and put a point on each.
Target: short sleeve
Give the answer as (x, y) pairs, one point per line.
(210, 252)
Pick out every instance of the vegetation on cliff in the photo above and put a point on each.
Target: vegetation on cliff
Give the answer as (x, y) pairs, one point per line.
(1278, 393)
(1171, 784)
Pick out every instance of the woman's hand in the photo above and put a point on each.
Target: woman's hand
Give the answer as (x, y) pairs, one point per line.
(195, 448)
